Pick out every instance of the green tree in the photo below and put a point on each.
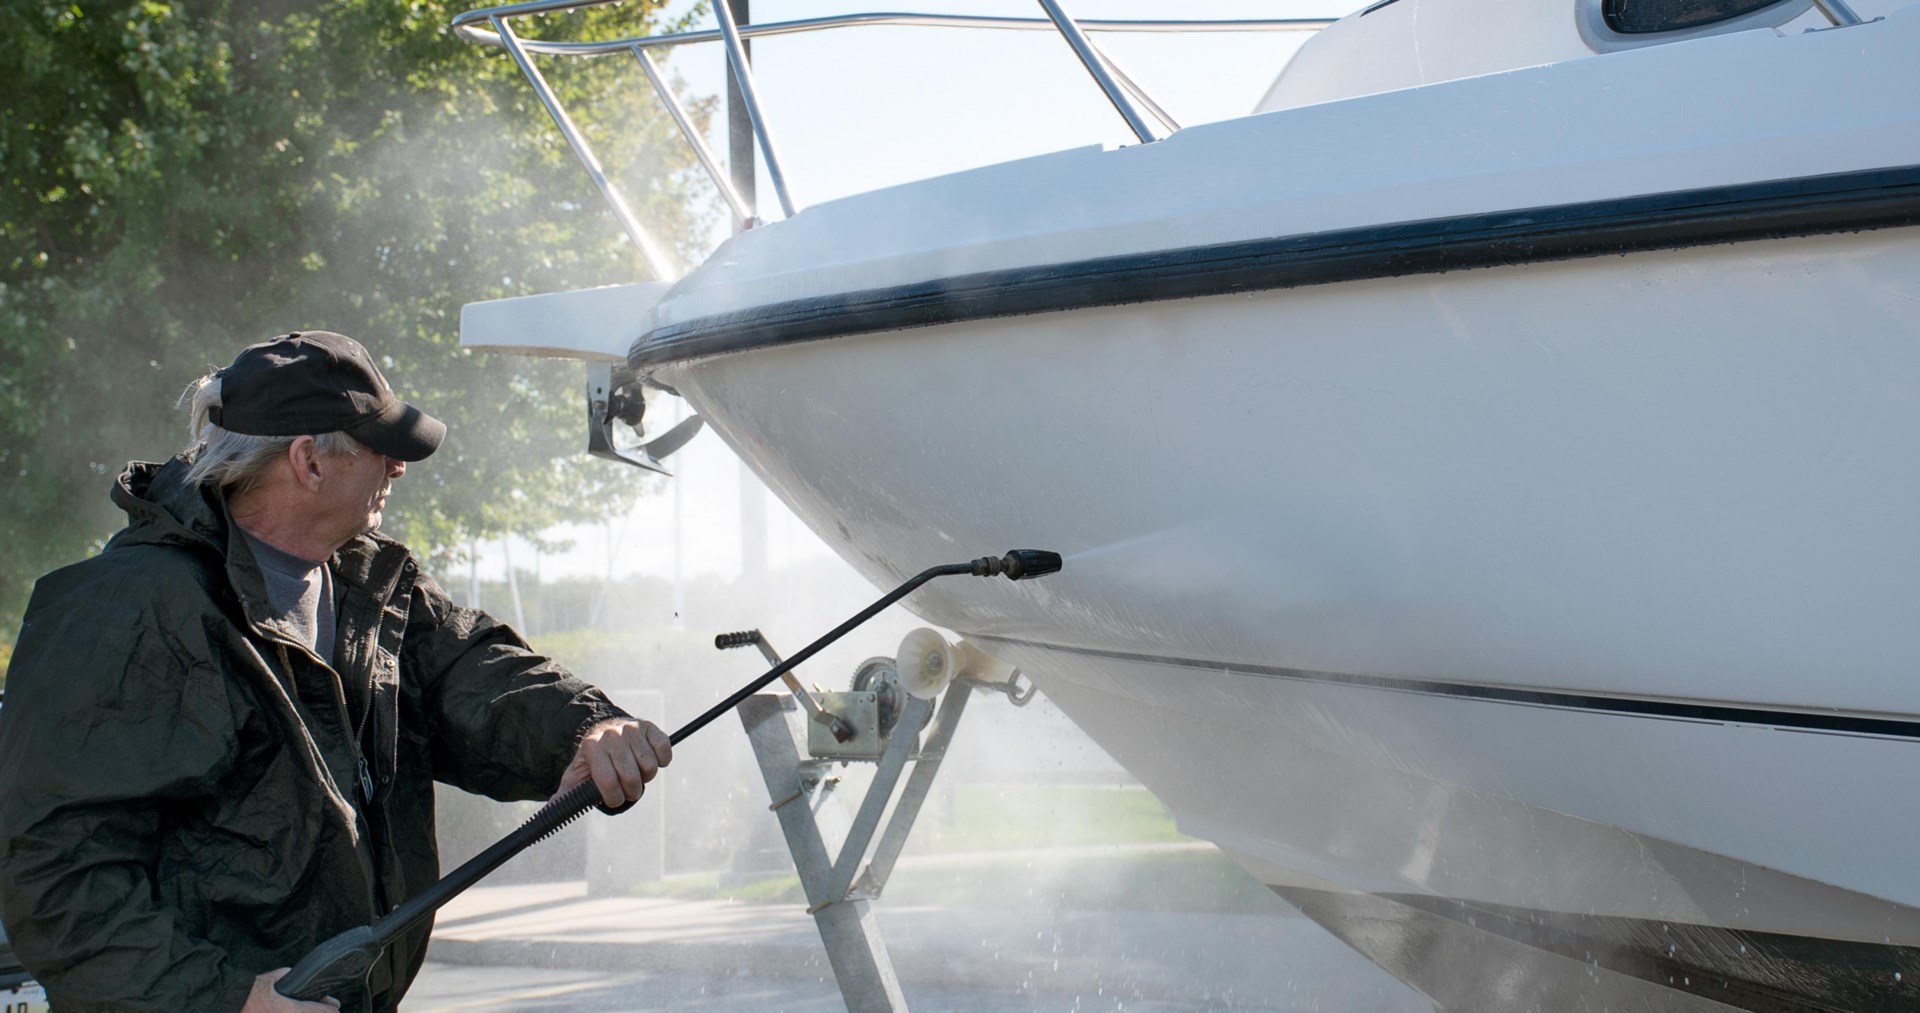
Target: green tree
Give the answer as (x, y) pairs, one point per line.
(186, 177)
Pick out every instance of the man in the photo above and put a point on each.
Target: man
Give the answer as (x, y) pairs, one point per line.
(221, 733)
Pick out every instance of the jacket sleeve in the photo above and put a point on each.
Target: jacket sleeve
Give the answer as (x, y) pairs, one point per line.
(505, 721)
(106, 728)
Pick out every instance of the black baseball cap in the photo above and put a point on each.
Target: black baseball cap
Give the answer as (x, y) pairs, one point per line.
(313, 382)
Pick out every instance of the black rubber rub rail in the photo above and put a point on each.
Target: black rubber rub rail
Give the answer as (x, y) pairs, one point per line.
(1814, 205)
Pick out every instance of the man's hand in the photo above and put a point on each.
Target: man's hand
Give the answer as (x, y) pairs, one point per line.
(263, 999)
(621, 755)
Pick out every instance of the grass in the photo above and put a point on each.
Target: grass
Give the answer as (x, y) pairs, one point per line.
(1003, 846)
(1196, 881)
(987, 817)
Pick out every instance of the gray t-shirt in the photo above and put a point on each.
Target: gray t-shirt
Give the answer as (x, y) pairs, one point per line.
(300, 592)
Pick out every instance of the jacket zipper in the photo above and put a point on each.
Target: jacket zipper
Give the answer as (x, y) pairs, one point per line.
(381, 906)
(361, 771)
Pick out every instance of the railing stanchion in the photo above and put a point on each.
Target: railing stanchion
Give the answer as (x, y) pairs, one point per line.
(741, 213)
(1138, 92)
(743, 74)
(472, 25)
(1837, 12)
(658, 263)
(1090, 58)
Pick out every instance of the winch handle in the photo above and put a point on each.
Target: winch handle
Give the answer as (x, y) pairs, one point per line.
(344, 959)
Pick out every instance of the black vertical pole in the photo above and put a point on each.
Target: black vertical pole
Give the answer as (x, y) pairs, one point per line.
(753, 495)
(763, 852)
(740, 143)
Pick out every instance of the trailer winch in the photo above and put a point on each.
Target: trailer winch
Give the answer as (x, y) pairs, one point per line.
(893, 721)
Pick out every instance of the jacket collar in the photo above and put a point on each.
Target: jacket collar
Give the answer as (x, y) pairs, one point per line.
(373, 563)
(163, 508)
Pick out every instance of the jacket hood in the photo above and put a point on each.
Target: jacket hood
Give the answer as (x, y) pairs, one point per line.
(163, 508)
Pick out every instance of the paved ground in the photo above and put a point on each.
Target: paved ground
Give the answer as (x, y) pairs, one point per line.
(549, 948)
(450, 988)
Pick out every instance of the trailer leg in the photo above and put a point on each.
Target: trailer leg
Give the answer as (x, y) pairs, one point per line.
(852, 940)
(840, 893)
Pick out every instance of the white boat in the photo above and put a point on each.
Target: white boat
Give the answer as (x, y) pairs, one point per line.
(1524, 581)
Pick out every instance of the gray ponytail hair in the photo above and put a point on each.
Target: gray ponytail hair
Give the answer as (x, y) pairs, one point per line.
(236, 461)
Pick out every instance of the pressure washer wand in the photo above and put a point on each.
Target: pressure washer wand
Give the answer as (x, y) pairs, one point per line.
(342, 962)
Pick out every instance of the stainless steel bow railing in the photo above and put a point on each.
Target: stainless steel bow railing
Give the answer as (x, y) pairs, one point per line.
(490, 26)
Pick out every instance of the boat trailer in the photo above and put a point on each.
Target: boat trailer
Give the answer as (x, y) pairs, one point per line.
(879, 721)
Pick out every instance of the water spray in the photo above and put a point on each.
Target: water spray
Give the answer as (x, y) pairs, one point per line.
(342, 962)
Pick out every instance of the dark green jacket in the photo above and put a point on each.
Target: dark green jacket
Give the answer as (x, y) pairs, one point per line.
(180, 789)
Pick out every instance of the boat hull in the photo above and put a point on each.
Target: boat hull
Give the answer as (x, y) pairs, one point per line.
(1677, 474)
(1580, 587)
(1353, 803)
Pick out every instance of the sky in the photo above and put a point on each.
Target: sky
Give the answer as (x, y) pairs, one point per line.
(855, 109)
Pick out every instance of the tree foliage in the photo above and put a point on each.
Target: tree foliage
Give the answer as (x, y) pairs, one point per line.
(184, 177)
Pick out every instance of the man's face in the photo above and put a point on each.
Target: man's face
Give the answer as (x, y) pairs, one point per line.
(355, 490)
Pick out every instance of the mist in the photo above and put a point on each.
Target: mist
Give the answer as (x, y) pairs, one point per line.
(1039, 874)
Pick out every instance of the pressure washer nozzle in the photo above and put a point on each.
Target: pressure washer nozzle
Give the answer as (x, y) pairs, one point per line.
(1018, 564)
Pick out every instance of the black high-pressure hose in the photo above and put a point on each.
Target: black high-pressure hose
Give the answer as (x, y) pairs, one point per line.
(343, 961)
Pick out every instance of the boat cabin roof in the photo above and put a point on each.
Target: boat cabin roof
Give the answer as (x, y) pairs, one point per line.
(1394, 44)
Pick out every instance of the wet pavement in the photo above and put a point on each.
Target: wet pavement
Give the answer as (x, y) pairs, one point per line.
(550, 948)
(449, 988)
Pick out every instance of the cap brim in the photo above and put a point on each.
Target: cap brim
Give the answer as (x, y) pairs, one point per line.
(402, 432)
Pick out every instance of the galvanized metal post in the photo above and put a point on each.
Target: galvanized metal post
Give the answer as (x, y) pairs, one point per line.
(952, 705)
(854, 947)
(893, 762)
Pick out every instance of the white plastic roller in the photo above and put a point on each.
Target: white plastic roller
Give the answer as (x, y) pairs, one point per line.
(927, 663)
